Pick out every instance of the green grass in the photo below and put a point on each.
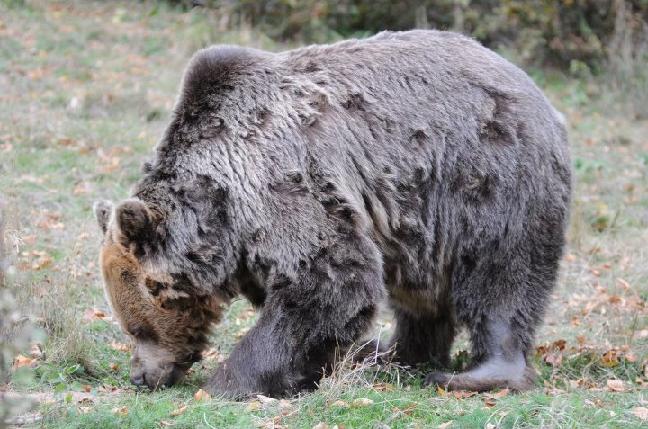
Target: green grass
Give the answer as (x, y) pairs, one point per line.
(86, 91)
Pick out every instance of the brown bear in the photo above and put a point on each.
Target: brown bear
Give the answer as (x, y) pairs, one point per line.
(416, 168)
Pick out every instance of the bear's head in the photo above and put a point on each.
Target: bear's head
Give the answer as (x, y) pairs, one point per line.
(160, 310)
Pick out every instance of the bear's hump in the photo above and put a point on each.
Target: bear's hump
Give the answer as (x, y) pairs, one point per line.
(217, 68)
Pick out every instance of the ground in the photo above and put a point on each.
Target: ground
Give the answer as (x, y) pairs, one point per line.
(85, 92)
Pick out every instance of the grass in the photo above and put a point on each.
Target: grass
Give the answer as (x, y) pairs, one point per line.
(86, 89)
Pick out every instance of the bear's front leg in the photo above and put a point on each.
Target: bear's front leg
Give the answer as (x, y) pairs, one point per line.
(330, 304)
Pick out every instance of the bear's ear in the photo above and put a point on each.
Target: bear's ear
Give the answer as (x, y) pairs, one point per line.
(102, 210)
(137, 225)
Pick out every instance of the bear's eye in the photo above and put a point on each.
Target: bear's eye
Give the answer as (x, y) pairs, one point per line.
(135, 332)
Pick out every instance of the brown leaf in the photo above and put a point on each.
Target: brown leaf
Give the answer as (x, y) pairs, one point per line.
(616, 386)
(178, 411)
(201, 395)
(51, 220)
(383, 387)
(42, 262)
(490, 402)
(463, 394)
(94, 314)
(406, 411)
(559, 344)
(82, 188)
(641, 412)
(120, 347)
(66, 142)
(553, 359)
(212, 354)
(122, 411)
(22, 361)
(610, 358)
(114, 367)
(502, 393)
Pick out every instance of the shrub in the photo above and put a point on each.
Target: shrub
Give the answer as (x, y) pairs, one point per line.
(543, 32)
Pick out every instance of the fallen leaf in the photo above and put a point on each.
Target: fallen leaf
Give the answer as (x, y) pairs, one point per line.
(66, 142)
(641, 412)
(254, 406)
(122, 411)
(120, 347)
(82, 188)
(201, 395)
(383, 387)
(610, 359)
(50, 220)
(490, 402)
(94, 314)
(502, 393)
(42, 262)
(616, 386)
(553, 359)
(405, 411)
(445, 425)
(463, 394)
(178, 411)
(362, 402)
(266, 400)
(212, 354)
(559, 344)
(22, 361)
(114, 367)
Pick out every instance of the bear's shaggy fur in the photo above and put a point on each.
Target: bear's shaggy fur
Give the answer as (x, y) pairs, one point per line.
(417, 167)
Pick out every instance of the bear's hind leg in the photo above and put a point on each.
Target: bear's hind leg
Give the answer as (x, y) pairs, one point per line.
(499, 361)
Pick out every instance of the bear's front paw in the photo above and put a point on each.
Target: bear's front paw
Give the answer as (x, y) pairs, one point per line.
(230, 384)
(437, 378)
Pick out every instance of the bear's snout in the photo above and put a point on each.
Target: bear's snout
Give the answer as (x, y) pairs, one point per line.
(156, 378)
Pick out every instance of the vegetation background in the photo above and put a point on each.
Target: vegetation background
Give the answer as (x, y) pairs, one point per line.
(86, 88)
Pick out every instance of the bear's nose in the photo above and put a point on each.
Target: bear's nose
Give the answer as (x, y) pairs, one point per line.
(138, 379)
